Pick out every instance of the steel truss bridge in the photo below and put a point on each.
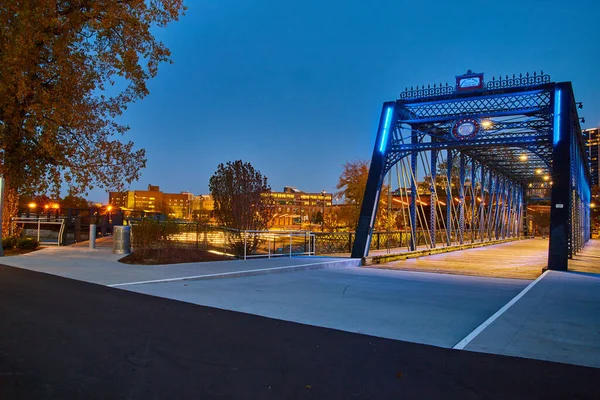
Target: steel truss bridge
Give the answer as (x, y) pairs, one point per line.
(470, 157)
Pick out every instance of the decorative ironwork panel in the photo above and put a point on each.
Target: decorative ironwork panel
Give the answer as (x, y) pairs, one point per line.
(422, 92)
(517, 103)
(518, 81)
(524, 81)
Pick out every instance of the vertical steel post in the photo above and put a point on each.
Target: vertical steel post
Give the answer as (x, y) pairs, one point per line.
(499, 202)
(370, 202)
(433, 198)
(473, 196)
(482, 206)
(413, 197)
(461, 197)
(492, 205)
(558, 250)
(506, 229)
(449, 162)
(519, 227)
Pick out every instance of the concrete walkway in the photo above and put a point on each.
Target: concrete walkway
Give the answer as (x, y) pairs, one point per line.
(557, 320)
(101, 266)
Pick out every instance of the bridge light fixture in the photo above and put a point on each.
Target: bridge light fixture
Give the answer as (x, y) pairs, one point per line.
(523, 157)
(592, 205)
(386, 128)
(32, 205)
(557, 96)
(546, 178)
(486, 124)
(538, 171)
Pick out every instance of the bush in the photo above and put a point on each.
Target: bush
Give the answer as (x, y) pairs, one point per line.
(9, 243)
(27, 243)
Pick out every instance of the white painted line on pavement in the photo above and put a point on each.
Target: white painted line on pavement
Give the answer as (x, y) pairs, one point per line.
(463, 343)
(223, 274)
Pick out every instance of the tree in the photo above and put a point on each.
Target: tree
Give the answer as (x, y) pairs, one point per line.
(242, 196)
(351, 185)
(72, 201)
(67, 69)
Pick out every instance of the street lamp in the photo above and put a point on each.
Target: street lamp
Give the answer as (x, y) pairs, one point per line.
(323, 213)
(32, 207)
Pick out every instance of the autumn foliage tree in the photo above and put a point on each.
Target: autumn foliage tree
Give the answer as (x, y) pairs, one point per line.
(351, 190)
(67, 69)
(242, 196)
(242, 199)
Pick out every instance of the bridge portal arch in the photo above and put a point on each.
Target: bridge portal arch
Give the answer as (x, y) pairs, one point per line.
(479, 151)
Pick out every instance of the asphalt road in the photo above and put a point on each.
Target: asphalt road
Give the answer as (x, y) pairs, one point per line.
(66, 339)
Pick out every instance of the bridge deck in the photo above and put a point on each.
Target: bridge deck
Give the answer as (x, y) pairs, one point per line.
(522, 259)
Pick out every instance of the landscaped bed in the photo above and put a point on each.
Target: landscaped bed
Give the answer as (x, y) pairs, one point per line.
(171, 256)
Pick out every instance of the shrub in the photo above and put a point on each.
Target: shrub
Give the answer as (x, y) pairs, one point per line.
(9, 243)
(27, 243)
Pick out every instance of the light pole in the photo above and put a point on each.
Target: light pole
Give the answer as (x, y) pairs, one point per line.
(323, 213)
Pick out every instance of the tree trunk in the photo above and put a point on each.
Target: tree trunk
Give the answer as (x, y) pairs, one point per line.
(11, 207)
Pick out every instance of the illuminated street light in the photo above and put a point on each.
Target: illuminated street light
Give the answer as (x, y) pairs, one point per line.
(55, 206)
(546, 178)
(486, 123)
(592, 205)
(538, 171)
(323, 214)
(32, 205)
(523, 157)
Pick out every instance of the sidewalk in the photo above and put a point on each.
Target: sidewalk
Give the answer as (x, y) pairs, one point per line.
(101, 266)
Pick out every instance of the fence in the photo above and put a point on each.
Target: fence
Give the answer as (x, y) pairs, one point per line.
(246, 244)
(47, 231)
(275, 244)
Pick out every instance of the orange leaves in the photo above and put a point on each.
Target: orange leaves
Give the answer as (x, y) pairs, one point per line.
(56, 60)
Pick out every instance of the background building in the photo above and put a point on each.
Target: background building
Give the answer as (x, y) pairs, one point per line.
(295, 209)
(593, 146)
(174, 205)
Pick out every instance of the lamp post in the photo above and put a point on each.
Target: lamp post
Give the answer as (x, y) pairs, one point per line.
(323, 213)
(32, 207)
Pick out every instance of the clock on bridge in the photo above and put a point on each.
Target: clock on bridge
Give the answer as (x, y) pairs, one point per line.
(469, 81)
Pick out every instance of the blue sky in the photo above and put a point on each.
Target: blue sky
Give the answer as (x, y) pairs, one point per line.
(296, 87)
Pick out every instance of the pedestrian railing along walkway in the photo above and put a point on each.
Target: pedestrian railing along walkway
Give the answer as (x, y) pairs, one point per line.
(47, 231)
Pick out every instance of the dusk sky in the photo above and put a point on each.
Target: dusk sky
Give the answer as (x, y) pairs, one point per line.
(296, 87)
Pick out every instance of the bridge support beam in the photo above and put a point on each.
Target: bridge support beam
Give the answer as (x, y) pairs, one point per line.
(558, 252)
(377, 171)
(433, 198)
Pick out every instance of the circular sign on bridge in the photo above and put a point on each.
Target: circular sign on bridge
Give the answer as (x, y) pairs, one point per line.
(465, 129)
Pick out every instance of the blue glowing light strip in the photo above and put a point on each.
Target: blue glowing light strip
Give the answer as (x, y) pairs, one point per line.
(557, 116)
(386, 127)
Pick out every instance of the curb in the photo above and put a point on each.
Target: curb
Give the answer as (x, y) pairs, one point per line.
(255, 272)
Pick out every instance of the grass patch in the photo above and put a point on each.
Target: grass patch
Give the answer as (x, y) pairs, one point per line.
(171, 256)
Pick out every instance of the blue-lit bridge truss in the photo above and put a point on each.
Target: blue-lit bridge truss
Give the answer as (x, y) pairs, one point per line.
(470, 157)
